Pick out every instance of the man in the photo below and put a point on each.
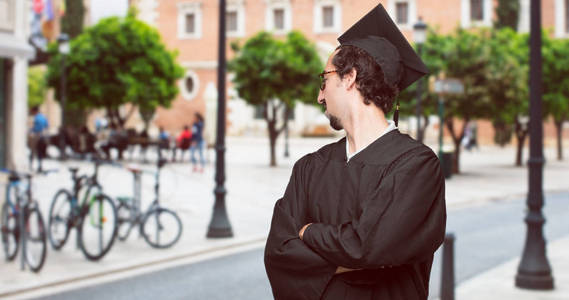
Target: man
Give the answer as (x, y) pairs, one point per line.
(361, 218)
(36, 139)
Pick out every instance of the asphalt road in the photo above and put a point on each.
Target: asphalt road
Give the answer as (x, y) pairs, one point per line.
(486, 235)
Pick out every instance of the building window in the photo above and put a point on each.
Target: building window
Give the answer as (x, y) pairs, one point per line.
(189, 20)
(190, 23)
(328, 16)
(477, 10)
(402, 15)
(231, 21)
(476, 13)
(189, 85)
(235, 18)
(278, 16)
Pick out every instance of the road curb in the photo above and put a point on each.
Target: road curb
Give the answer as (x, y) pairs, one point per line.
(135, 266)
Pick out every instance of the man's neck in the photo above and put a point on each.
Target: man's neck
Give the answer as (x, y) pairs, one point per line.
(366, 126)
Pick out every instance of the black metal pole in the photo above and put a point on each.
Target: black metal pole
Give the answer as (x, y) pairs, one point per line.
(418, 108)
(219, 226)
(447, 276)
(62, 103)
(286, 153)
(534, 271)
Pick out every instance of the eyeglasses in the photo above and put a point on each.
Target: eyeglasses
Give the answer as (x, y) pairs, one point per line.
(323, 82)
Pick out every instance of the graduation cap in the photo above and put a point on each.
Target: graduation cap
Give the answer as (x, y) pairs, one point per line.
(379, 37)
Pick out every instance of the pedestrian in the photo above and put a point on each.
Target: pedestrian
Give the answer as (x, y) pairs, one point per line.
(86, 142)
(197, 143)
(362, 217)
(163, 142)
(144, 141)
(37, 139)
(184, 141)
(473, 136)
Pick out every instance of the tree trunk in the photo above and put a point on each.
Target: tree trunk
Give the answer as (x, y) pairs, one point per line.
(273, 140)
(456, 139)
(423, 128)
(559, 128)
(521, 135)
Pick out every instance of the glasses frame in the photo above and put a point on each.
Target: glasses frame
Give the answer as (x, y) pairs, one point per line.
(323, 79)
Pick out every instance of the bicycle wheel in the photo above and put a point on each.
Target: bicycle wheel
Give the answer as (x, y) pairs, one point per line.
(59, 222)
(124, 221)
(35, 240)
(10, 232)
(98, 227)
(161, 228)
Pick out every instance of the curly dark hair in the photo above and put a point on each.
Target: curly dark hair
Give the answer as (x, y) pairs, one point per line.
(370, 80)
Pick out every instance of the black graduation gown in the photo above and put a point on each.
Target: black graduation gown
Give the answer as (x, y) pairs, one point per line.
(382, 212)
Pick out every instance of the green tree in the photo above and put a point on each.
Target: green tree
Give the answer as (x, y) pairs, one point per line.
(556, 85)
(433, 54)
(37, 86)
(275, 74)
(117, 61)
(507, 14)
(466, 59)
(507, 85)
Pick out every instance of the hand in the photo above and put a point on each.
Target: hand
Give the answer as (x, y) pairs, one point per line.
(341, 269)
(301, 232)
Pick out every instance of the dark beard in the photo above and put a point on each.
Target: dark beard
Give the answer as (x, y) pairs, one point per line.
(335, 123)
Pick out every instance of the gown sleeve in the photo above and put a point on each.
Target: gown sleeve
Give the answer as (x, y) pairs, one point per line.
(402, 221)
(295, 271)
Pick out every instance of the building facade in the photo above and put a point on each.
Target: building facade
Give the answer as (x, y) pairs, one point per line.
(15, 52)
(191, 27)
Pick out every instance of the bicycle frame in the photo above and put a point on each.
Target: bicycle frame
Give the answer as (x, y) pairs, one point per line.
(19, 207)
(136, 214)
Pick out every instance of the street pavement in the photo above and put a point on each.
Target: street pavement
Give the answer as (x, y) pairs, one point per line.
(488, 175)
(488, 235)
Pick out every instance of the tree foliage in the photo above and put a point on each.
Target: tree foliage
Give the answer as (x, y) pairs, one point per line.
(466, 59)
(508, 86)
(117, 61)
(556, 84)
(275, 74)
(433, 53)
(37, 86)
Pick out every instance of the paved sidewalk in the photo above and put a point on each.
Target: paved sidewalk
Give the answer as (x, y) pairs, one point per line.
(499, 283)
(488, 174)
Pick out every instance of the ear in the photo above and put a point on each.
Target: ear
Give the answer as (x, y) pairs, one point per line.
(350, 79)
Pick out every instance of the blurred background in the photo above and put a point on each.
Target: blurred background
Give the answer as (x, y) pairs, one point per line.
(113, 87)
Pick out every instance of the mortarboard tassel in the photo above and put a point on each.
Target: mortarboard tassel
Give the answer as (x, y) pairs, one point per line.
(396, 114)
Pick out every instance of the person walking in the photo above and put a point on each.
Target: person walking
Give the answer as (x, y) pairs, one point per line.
(198, 143)
(362, 217)
(183, 142)
(37, 139)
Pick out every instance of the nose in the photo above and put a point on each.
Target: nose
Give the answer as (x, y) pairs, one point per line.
(320, 98)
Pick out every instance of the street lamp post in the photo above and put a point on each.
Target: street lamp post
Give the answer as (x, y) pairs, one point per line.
(534, 271)
(63, 41)
(219, 226)
(420, 36)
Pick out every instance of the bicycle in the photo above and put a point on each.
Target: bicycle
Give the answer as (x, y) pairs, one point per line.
(160, 227)
(96, 213)
(13, 222)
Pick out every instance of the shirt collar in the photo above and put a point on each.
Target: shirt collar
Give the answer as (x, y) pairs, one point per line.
(391, 126)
